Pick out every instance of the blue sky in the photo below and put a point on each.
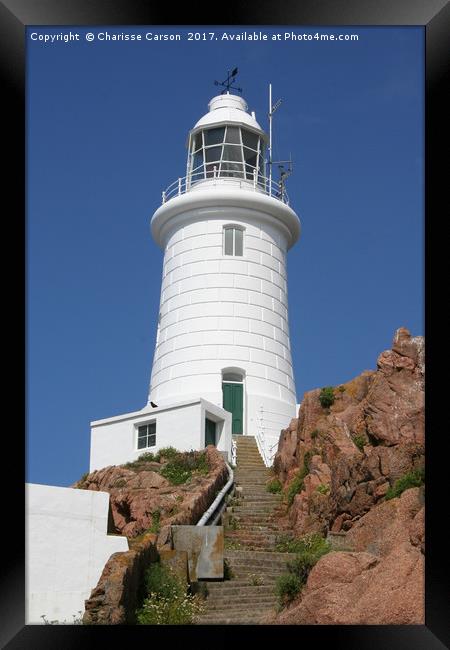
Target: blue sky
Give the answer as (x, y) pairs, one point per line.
(106, 130)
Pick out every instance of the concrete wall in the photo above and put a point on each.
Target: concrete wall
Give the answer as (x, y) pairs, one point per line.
(67, 547)
(221, 312)
(180, 425)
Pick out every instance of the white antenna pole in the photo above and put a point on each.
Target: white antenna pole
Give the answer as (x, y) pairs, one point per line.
(270, 139)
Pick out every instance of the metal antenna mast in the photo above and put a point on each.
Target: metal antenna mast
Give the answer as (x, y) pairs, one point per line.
(272, 110)
(229, 81)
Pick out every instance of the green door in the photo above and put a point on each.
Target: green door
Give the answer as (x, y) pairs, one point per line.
(210, 432)
(233, 400)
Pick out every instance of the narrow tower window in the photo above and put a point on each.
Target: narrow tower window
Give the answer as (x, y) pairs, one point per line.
(233, 240)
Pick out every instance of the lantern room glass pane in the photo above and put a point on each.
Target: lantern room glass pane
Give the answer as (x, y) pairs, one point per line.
(228, 241)
(250, 157)
(214, 136)
(238, 242)
(233, 135)
(213, 154)
(198, 160)
(231, 152)
(231, 169)
(250, 139)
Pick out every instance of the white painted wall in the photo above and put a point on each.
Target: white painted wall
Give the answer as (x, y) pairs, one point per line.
(67, 547)
(180, 425)
(219, 311)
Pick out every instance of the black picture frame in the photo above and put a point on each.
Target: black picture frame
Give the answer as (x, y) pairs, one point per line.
(434, 16)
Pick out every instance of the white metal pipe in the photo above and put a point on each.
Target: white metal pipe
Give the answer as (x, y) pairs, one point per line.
(207, 514)
(270, 139)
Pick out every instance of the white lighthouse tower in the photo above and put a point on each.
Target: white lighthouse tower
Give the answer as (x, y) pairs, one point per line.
(222, 363)
(225, 229)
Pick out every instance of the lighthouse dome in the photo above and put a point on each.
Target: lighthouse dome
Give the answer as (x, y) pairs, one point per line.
(227, 108)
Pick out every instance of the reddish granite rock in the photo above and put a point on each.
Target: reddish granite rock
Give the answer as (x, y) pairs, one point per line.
(382, 411)
(115, 598)
(381, 582)
(135, 495)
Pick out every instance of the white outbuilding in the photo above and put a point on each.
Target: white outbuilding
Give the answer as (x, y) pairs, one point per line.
(223, 333)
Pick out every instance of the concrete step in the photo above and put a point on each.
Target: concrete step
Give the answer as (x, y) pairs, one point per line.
(232, 617)
(242, 577)
(258, 603)
(249, 555)
(255, 608)
(245, 590)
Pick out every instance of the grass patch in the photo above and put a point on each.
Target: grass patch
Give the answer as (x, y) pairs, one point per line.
(360, 441)
(227, 571)
(146, 457)
(168, 453)
(231, 545)
(167, 601)
(296, 485)
(183, 465)
(323, 489)
(274, 487)
(309, 549)
(326, 397)
(416, 478)
(287, 587)
(156, 522)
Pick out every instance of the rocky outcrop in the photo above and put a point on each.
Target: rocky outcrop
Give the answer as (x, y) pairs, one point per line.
(120, 588)
(380, 582)
(138, 493)
(356, 449)
(349, 455)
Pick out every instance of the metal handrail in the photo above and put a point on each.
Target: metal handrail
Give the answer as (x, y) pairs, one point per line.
(258, 183)
(217, 501)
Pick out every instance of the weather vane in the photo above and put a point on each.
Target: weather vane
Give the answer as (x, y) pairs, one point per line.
(229, 81)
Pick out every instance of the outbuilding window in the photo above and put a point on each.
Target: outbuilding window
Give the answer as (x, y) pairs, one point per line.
(233, 240)
(146, 435)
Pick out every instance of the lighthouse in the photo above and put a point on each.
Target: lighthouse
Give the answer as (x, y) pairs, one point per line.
(225, 229)
(222, 363)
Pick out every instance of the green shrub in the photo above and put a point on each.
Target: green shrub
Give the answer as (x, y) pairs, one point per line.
(309, 549)
(180, 468)
(170, 611)
(146, 457)
(302, 565)
(227, 571)
(416, 478)
(274, 487)
(341, 389)
(156, 522)
(296, 485)
(168, 453)
(167, 601)
(307, 460)
(326, 397)
(360, 441)
(160, 581)
(288, 586)
(294, 488)
(315, 434)
(313, 545)
(323, 489)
